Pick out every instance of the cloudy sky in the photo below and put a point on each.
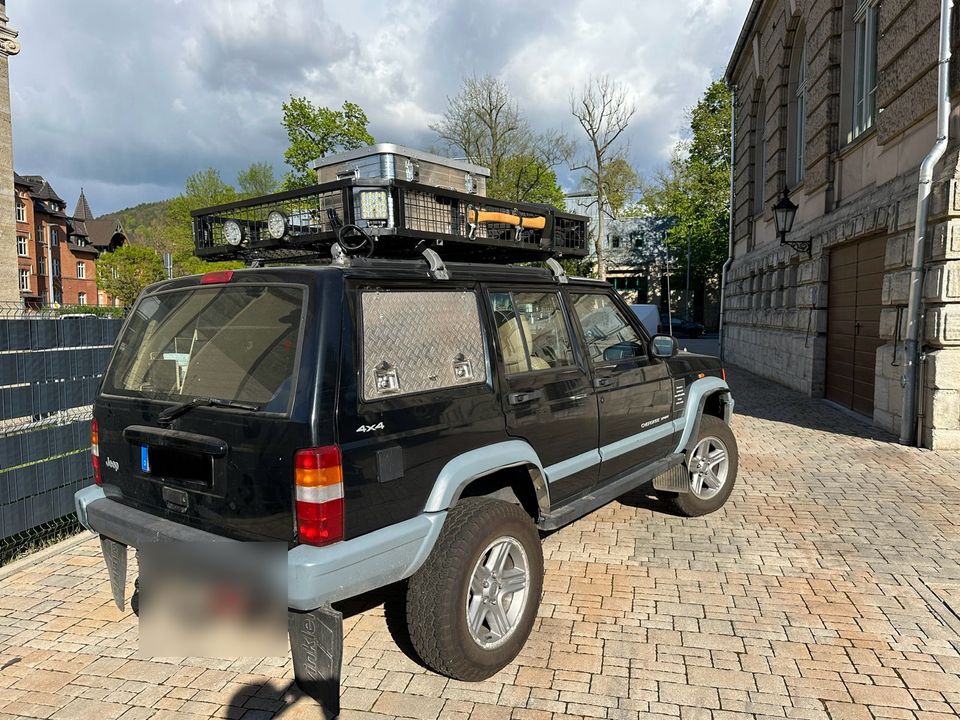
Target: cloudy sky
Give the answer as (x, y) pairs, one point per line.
(128, 98)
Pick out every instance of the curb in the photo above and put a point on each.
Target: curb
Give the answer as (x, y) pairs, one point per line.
(41, 555)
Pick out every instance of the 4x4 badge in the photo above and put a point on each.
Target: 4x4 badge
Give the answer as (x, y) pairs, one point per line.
(370, 428)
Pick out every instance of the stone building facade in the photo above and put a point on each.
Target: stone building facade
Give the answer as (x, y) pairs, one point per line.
(9, 45)
(835, 103)
(57, 253)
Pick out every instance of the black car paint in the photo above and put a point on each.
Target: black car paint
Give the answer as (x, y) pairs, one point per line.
(389, 473)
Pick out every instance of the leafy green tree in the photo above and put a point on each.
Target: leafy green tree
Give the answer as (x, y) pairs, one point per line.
(126, 271)
(526, 179)
(694, 188)
(620, 185)
(256, 180)
(202, 189)
(317, 131)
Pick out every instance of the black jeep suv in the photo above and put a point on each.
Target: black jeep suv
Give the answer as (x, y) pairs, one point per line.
(391, 420)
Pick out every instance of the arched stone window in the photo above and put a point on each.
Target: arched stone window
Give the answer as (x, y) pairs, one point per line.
(797, 110)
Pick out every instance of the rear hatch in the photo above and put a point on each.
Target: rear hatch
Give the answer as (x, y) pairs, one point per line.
(206, 401)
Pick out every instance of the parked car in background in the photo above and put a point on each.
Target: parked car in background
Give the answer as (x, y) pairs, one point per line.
(678, 327)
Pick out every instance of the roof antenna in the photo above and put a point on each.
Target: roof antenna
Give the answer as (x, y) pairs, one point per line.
(435, 266)
(558, 272)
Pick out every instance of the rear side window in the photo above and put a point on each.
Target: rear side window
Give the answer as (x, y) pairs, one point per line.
(532, 332)
(415, 341)
(230, 343)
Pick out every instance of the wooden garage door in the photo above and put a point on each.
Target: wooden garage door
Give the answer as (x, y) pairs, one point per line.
(853, 325)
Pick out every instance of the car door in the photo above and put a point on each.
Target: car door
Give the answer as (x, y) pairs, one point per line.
(547, 394)
(634, 391)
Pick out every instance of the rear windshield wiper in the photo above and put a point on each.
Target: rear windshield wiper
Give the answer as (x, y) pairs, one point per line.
(184, 407)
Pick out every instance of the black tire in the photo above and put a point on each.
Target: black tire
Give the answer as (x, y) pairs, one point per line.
(438, 592)
(688, 504)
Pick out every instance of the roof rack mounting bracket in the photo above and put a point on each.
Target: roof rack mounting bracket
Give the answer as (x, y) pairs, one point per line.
(435, 266)
(558, 272)
(340, 258)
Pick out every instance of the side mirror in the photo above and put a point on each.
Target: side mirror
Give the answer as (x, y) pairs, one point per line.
(663, 346)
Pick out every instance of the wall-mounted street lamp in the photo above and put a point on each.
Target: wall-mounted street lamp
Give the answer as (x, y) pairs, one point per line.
(784, 215)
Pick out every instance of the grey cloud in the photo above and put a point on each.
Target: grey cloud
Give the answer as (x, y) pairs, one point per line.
(128, 98)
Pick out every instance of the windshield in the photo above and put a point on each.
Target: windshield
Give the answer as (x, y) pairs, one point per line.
(228, 343)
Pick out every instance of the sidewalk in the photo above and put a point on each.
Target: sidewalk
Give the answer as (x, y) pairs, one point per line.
(822, 591)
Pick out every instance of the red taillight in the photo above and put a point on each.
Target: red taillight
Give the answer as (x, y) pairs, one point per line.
(723, 372)
(318, 478)
(216, 277)
(95, 450)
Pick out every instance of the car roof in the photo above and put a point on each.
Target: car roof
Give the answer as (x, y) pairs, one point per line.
(380, 269)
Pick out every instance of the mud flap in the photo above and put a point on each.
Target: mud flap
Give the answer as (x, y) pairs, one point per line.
(316, 642)
(115, 556)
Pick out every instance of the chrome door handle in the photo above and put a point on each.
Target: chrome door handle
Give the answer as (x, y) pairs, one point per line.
(603, 382)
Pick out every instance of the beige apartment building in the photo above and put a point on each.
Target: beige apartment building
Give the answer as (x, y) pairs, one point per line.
(836, 104)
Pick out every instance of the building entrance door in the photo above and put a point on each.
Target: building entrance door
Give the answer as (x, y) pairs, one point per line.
(853, 323)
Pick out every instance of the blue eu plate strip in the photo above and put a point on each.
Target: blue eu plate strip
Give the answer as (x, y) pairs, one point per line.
(144, 459)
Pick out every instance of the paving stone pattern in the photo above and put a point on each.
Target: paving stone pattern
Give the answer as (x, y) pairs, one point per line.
(820, 592)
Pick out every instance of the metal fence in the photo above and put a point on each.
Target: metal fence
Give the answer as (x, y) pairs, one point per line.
(51, 363)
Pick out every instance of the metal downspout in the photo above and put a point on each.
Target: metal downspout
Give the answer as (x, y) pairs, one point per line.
(726, 265)
(911, 389)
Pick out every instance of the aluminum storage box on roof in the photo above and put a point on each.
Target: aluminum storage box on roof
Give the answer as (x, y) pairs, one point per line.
(395, 162)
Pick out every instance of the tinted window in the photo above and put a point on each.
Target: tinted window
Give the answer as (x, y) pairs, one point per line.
(229, 343)
(532, 332)
(415, 341)
(608, 335)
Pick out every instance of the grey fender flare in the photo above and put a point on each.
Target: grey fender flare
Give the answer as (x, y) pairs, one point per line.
(464, 469)
(697, 396)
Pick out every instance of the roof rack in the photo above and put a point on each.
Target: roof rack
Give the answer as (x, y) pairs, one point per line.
(385, 218)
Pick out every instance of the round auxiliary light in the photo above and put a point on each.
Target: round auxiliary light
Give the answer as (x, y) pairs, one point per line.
(276, 224)
(232, 233)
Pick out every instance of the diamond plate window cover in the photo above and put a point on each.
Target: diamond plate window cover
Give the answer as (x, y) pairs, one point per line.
(422, 340)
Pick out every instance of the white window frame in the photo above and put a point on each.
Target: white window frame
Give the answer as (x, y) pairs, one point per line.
(21, 211)
(23, 246)
(81, 298)
(81, 270)
(56, 267)
(865, 37)
(24, 280)
(54, 235)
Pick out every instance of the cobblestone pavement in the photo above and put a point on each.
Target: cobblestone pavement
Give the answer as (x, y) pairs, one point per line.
(821, 591)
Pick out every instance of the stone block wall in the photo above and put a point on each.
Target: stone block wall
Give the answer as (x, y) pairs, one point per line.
(777, 299)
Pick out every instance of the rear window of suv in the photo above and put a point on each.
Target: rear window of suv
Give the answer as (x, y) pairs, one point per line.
(228, 342)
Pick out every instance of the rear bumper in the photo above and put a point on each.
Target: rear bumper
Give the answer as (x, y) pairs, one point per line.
(315, 576)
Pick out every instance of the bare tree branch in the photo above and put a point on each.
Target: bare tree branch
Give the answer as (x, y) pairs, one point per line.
(603, 110)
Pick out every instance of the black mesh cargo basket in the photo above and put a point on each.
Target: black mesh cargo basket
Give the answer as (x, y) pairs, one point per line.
(400, 218)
